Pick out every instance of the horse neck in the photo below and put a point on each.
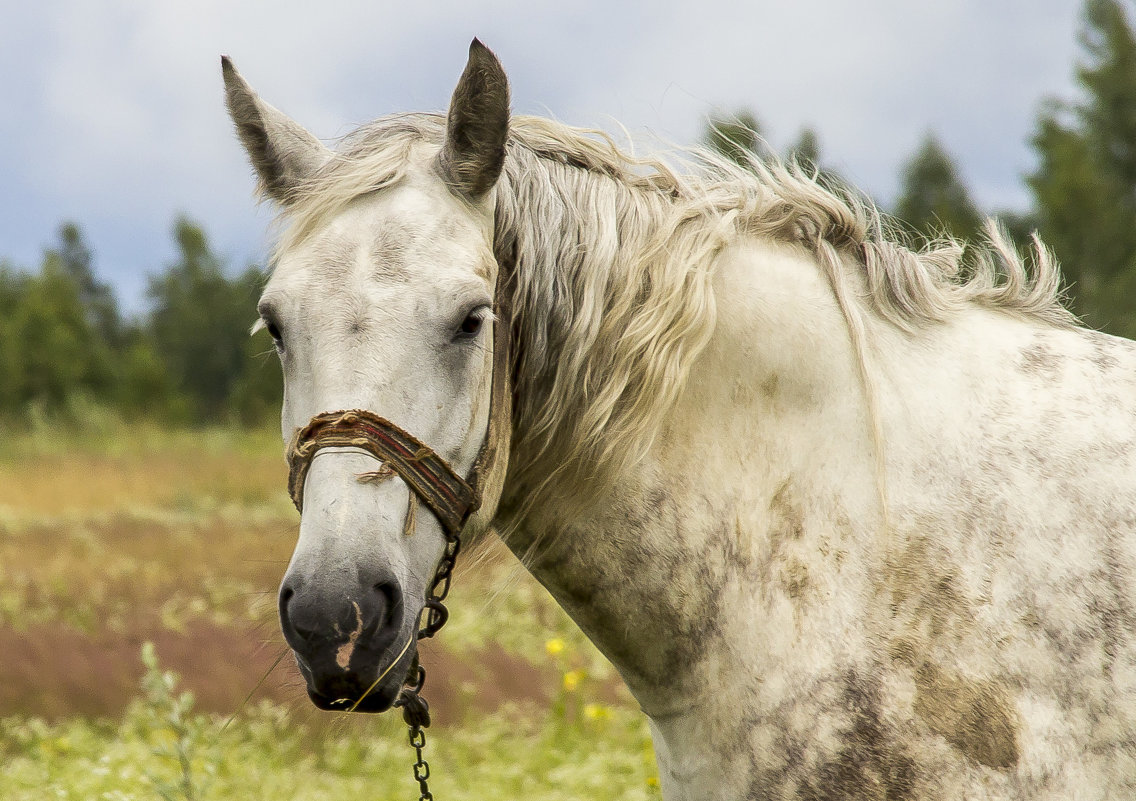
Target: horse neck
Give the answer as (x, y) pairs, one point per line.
(663, 569)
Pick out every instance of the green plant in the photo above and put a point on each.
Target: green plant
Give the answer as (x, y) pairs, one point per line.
(177, 735)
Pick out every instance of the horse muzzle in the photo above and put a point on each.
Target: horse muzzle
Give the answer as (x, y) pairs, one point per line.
(354, 647)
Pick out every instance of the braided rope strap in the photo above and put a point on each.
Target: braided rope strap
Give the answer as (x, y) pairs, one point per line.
(449, 497)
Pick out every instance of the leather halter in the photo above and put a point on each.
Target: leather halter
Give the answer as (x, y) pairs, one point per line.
(451, 498)
(447, 494)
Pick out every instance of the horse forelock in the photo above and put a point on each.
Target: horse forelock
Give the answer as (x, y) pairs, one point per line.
(614, 258)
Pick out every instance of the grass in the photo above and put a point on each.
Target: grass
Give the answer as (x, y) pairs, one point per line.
(114, 538)
(161, 748)
(52, 472)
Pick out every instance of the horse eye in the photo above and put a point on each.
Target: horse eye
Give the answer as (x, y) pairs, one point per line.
(471, 325)
(274, 332)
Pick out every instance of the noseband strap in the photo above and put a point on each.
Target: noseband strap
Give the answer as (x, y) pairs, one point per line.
(447, 494)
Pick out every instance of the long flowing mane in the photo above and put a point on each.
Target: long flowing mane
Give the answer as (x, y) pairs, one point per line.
(614, 258)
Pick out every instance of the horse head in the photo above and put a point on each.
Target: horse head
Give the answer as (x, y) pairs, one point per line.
(381, 299)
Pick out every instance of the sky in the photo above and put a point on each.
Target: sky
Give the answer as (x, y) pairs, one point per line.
(112, 115)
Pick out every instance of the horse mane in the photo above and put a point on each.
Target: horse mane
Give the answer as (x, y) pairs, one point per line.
(614, 258)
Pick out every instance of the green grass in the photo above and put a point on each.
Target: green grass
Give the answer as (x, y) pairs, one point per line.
(163, 749)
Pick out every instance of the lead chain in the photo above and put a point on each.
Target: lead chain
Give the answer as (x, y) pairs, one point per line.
(415, 710)
(421, 767)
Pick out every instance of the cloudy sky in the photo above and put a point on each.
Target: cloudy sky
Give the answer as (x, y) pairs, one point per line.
(112, 113)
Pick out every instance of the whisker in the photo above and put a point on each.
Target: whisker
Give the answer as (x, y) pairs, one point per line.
(243, 703)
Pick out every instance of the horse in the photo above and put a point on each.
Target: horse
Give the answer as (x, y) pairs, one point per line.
(851, 519)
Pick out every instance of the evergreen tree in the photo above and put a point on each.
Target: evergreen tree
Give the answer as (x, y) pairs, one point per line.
(737, 137)
(13, 288)
(933, 199)
(199, 325)
(806, 150)
(96, 296)
(1085, 185)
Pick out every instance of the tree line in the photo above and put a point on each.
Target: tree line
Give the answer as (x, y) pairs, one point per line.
(65, 344)
(1083, 189)
(64, 340)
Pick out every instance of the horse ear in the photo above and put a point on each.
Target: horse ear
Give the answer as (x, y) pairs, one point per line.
(282, 151)
(477, 126)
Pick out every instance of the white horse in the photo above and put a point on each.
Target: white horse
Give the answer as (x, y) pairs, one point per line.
(851, 521)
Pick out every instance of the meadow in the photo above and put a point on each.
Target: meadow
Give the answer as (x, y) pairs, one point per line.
(141, 656)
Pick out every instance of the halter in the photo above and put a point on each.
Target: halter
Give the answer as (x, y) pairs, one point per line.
(450, 497)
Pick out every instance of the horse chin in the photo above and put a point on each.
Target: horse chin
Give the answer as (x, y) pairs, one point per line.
(352, 691)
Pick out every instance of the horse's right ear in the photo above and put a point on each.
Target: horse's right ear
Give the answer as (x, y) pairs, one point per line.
(282, 151)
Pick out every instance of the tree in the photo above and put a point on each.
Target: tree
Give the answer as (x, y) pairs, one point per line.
(97, 297)
(737, 137)
(806, 150)
(933, 199)
(199, 326)
(51, 352)
(13, 287)
(1084, 187)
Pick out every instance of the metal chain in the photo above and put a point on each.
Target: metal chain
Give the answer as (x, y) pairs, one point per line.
(416, 713)
(415, 710)
(421, 767)
(437, 614)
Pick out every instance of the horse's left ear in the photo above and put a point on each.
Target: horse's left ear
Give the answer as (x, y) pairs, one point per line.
(477, 126)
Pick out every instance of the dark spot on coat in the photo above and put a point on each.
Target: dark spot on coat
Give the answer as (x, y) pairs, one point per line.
(924, 589)
(1038, 359)
(674, 592)
(788, 519)
(871, 763)
(796, 579)
(977, 717)
(1103, 357)
(390, 248)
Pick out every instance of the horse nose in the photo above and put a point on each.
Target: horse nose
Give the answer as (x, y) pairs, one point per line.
(318, 621)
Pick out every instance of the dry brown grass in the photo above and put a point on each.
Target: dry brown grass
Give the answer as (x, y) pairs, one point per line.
(181, 539)
(91, 484)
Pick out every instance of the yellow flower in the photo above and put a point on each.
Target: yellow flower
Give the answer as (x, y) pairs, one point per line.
(572, 679)
(596, 712)
(652, 781)
(554, 646)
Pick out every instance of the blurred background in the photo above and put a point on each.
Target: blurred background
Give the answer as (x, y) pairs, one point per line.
(144, 524)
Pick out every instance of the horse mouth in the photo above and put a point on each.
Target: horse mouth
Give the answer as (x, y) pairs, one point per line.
(351, 691)
(378, 700)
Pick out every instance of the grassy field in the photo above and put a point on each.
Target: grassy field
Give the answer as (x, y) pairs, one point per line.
(142, 657)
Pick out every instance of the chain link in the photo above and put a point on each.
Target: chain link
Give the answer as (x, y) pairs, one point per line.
(436, 612)
(421, 766)
(415, 710)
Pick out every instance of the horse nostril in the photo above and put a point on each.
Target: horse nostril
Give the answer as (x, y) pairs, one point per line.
(390, 601)
(286, 594)
(308, 616)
